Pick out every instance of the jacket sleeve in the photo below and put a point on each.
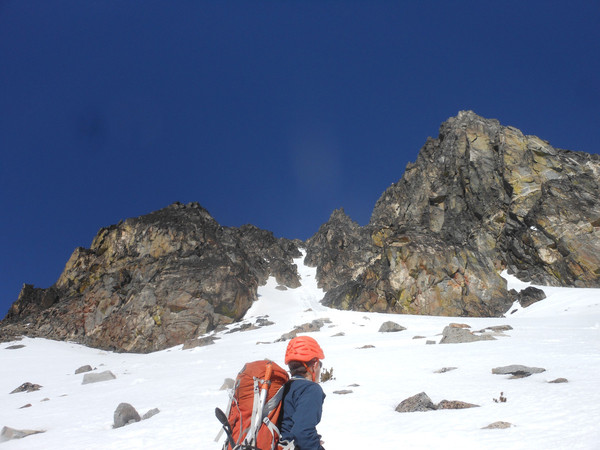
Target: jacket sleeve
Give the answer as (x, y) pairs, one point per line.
(309, 407)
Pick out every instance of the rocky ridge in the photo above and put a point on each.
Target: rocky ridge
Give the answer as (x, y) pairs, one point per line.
(154, 281)
(480, 198)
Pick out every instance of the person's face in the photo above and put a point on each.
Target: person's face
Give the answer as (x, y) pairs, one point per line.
(317, 370)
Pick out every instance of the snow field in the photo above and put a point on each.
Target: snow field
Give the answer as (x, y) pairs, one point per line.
(560, 334)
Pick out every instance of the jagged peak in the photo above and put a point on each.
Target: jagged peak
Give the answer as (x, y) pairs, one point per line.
(468, 119)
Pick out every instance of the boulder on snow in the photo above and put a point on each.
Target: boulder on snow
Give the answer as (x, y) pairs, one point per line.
(14, 347)
(498, 425)
(227, 384)
(98, 377)
(315, 325)
(517, 370)
(445, 369)
(456, 335)
(498, 328)
(527, 296)
(8, 433)
(459, 325)
(84, 369)
(151, 413)
(390, 327)
(559, 380)
(419, 402)
(125, 414)
(455, 404)
(27, 387)
(422, 402)
(199, 342)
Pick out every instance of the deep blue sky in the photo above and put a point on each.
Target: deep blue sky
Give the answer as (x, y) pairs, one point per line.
(272, 113)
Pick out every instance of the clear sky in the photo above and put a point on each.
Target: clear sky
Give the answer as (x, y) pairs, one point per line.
(272, 113)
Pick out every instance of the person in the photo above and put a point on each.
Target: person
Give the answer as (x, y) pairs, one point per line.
(303, 399)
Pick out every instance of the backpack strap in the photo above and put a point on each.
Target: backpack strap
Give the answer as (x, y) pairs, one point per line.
(270, 406)
(228, 410)
(255, 407)
(274, 401)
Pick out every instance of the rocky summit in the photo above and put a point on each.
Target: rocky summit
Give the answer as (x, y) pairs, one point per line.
(480, 198)
(154, 281)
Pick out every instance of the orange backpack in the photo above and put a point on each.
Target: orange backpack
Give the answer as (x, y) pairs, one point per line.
(253, 415)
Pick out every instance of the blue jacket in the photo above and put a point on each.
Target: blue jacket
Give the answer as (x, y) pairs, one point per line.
(302, 407)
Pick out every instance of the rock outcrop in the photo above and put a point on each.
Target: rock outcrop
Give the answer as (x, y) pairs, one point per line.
(155, 281)
(480, 198)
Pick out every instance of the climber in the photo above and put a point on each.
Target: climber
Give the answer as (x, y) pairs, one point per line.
(303, 400)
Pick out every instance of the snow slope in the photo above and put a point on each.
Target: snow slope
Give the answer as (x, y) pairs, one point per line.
(560, 334)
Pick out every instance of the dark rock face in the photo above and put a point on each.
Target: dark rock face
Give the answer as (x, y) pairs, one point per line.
(528, 296)
(479, 199)
(155, 281)
(340, 250)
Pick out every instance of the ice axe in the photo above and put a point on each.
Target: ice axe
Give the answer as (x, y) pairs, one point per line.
(221, 417)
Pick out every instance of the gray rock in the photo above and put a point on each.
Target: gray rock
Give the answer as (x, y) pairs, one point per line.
(430, 342)
(343, 392)
(227, 384)
(264, 321)
(517, 370)
(445, 369)
(14, 347)
(98, 377)
(559, 380)
(150, 413)
(499, 328)
(27, 387)
(84, 369)
(419, 402)
(315, 325)
(8, 433)
(260, 322)
(455, 404)
(124, 415)
(199, 342)
(455, 335)
(390, 327)
(242, 327)
(498, 426)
